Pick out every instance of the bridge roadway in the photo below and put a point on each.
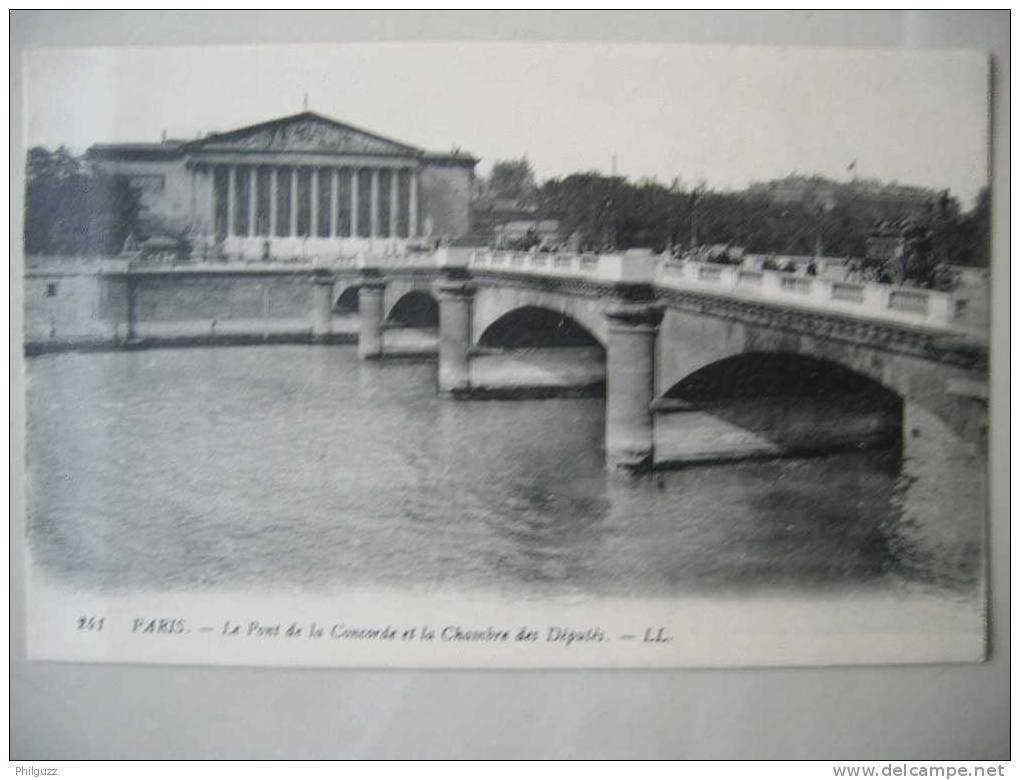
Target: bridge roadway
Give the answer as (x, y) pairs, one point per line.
(664, 325)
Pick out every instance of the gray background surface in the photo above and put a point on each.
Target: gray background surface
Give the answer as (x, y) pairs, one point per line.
(930, 712)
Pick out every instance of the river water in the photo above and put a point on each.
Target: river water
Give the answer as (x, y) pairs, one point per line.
(301, 467)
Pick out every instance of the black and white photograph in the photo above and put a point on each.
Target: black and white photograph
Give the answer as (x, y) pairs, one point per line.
(506, 355)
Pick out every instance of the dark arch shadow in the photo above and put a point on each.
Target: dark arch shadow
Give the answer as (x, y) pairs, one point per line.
(347, 303)
(754, 374)
(534, 352)
(801, 404)
(416, 309)
(536, 327)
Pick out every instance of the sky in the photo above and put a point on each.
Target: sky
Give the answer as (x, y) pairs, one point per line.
(720, 114)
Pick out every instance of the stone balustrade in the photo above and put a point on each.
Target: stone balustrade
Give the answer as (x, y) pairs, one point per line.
(878, 302)
(309, 249)
(634, 266)
(881, 302)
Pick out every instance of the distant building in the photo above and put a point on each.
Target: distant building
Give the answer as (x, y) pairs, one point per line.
(883, 199)
(547, 231)
(488, 213)
(301, 185)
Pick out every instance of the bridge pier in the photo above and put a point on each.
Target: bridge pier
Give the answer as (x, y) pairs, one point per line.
(455, 296)
(370, 319)
(322, 307)
(630, 385)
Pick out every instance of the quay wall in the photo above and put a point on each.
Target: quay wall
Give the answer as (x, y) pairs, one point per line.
(166, 297)
(83, 308)
(65, 305)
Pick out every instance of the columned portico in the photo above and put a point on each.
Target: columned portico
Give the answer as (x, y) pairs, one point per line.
(251, 215)
(299, 188)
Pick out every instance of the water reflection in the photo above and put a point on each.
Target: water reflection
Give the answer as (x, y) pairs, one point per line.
(301, 466)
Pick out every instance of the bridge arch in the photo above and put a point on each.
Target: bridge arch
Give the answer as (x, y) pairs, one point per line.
(536, 326)
(414, 309)
(777, 402)
(347, 301)
(754, 374)
(689, 343)
(491, 303)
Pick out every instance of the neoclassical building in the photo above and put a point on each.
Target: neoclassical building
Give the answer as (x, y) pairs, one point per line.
(299, 186)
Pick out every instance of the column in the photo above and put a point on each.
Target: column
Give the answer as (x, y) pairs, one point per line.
(370, 318)
(313, 204)
(293, 201)
(412, 204)
(394, 191)
(354, 202)
(273, 194)
(253, 198)
(455, 297)
(209, 177)
(322, 306)
(334, 200)
(193, 193)
(630, 385)
(374, 205)
(231, 205)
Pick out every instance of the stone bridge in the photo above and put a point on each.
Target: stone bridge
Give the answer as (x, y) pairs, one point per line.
(701, 342)
(697, 361)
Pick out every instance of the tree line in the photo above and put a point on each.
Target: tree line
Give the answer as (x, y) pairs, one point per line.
(73, 209)
(600, 212)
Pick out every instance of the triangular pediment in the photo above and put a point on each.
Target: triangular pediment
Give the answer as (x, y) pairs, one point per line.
(305, 132)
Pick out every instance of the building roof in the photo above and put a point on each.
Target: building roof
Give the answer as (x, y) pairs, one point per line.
(136, 151)
(303, 132)
(456, 157)
(304, 120)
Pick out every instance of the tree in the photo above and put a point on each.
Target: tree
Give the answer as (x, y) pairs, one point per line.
(73, 209)
(932, 243)
(512, 179)
(603, 212)
(586, 205)
(975, 233)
